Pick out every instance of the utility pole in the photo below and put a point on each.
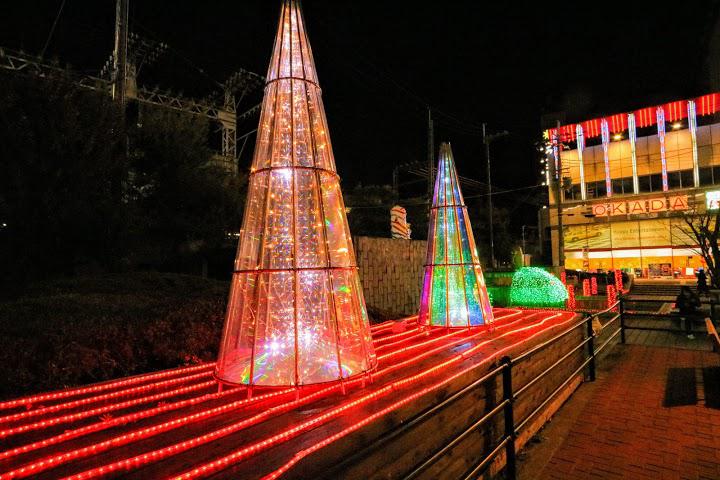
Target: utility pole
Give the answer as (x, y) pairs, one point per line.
(486, 141)
(431, 158)
(558, 197)
(120, 53)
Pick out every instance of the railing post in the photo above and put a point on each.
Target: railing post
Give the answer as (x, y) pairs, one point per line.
(511, 467)
(712, 311)
(622, 321)
(591, 348)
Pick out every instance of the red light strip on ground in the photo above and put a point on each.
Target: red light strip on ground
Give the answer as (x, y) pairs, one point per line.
(484, 329)
(59, 459)
(123, 420)
(102, 410)
(142, 459)
(426, 353)
(53, 462)
(98, 398)
(56, 460)
(369, 419)
(173, 449)
(383, 340)
(415, 346)
(148, 457)
(238, 455)
(381, 326)
(44, 397)
(416, 334)
(375, 329)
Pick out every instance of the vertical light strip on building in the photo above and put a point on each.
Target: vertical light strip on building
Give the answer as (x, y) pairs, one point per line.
(632, 134)
(556, 153)
(692, 125)
(661, 137)
(580, 147)
(605, 141)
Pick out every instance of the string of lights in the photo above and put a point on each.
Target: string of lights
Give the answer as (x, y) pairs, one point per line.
(98, 398)
(288, 433)
(134, 435)
(73, 392)
(239, 455)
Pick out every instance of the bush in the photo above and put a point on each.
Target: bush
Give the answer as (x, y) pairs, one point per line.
(90, 329)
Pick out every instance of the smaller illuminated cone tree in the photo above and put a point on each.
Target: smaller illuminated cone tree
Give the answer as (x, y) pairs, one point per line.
(454, 293)
(296, 313)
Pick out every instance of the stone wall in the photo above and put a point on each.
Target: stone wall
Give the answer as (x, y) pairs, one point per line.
(391, 272)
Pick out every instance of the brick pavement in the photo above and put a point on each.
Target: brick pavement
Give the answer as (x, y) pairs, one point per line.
(617, 426)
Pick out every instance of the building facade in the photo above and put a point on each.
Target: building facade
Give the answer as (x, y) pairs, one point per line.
(629, 183)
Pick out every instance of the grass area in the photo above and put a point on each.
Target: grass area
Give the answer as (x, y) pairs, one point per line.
(88, 329)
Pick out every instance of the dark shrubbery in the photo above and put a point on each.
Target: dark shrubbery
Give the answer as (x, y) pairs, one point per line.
(90, 329)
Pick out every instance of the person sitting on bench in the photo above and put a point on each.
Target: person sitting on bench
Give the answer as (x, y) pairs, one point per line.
(688, 303)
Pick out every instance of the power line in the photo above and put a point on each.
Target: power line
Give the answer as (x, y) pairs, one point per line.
(479, 195)
(52, 29)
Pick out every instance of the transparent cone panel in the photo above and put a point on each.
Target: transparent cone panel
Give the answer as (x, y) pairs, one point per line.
(454, 293)
(296, 313)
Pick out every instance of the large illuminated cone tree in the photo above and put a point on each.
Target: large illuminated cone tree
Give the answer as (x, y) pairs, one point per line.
(296, 313)
(454, 293)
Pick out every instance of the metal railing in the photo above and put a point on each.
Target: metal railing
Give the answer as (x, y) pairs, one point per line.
(510, 395)
(625, 303)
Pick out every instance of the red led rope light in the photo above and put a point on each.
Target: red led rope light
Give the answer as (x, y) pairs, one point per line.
(415, 346)
(391, 323)
(427, 353)
(394, 336)
(142, 459)
(143, 433)
(125, 419)
(72, 392)
(53, 462)
(482, 332)
(148, 457)
(417, 334)
(256, 447)
(71, 434)
(150, 431)
(59, 459)
(102, 397)
(102, 410)
(390, 408)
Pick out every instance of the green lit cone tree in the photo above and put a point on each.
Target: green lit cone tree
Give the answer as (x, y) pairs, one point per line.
(454, 293)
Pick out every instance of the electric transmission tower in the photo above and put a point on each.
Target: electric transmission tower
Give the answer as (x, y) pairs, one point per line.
(119, 78)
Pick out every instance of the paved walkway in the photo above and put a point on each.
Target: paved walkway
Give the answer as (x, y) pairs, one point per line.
(617, 427)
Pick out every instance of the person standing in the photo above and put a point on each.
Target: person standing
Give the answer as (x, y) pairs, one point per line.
(688, 303)
(702, 287)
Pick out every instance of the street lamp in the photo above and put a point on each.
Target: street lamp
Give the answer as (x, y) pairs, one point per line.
(487, 138)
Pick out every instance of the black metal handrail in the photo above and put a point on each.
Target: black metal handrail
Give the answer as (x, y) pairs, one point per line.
(670, 315)
(507, 441)
(512, 427)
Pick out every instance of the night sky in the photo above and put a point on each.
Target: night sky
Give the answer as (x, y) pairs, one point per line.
(381, 63)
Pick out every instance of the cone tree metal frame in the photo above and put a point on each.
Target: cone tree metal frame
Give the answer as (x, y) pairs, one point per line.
(296, 313)
(454, 293)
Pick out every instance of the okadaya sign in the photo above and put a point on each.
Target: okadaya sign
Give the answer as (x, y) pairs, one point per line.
(634, 207)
